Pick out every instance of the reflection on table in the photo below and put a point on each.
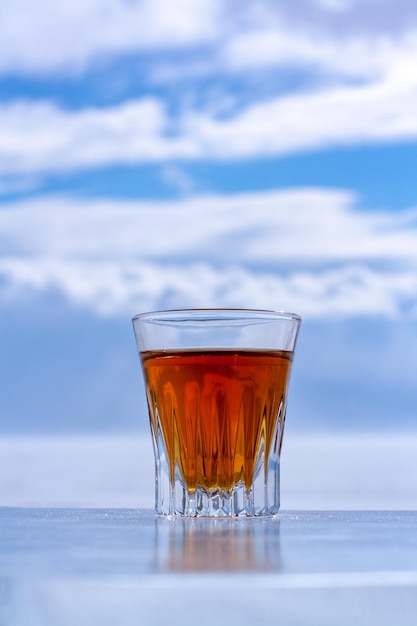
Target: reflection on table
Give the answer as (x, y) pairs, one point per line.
(209, 545)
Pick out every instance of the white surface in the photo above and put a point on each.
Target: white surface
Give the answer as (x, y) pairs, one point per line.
(326, 472)
(62, 567)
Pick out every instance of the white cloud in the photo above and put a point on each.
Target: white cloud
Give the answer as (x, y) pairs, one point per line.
(307, 250)
(39, 36)
(111, 288)
(335, 5)
(177, 178)
(360, 85)
(357, 56)
(44, 138)
(366, 113)
(297, 226)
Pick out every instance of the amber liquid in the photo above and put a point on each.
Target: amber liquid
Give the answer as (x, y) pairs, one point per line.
(216, 411)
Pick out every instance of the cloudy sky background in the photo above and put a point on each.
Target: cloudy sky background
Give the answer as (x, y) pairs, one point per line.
(199, 153)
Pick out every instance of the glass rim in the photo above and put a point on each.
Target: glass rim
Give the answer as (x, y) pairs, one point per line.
(207, 314)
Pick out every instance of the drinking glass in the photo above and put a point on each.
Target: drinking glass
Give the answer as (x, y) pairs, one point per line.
(216, 385)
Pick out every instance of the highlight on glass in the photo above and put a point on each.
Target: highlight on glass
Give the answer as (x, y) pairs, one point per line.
(216, 385)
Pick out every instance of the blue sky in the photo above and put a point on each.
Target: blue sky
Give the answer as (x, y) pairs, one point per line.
(158, 154)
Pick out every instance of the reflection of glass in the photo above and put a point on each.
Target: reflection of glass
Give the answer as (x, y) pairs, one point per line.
(207, 545)
(216, 383)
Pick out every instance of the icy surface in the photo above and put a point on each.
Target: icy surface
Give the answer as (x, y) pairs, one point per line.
(125, 566)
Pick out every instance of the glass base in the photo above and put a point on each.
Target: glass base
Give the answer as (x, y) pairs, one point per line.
(262, 499)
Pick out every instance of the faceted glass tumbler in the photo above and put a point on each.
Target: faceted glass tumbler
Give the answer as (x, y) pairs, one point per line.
(216, 385)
